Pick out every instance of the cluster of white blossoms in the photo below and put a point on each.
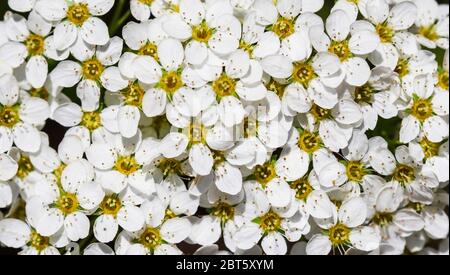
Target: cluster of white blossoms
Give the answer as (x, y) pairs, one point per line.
(225, 127)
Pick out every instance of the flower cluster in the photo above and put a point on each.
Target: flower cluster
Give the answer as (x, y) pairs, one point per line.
(257, 124)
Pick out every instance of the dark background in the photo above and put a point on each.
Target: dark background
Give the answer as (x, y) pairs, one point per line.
(56, 132)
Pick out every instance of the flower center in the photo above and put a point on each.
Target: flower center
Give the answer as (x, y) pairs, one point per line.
(111, 205)
(340, 49)
(126, 165)
(67, 203)
(151, 238)
(9, 116)
(265, 173)
(133, 95)
(38, 242)
(270, 222)
(247, 47)
(443, 80)
(169, 214)
(320, 113)
(170, 82)
(309, 142)
(302, 188)
(146, 2)
(303, 74)
(353, 1)
(383, 219)
(196, 133)
(364, 94)
(339, 235)
(40, 92)
(385, 32)
(430, 149)
(355, 171)
(35, 44)
(219, 157)
(402, 68)
(422, 109)
(149, 49)
(169, 166)
(276, 87)
(429, 32)
(25, 167)
(92, 69)
(250, 127)
(417, 206)
(202, 33)
(404, 174)
(91, 120)
(223, 211)
(283, 27)
(224, 86)
(78, 13)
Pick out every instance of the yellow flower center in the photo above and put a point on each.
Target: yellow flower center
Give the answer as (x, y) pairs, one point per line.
(283, 27)
(385, 32)
(265, 173)
(276, 87)
(353, 1)
(246, 47)
(270, 222)
(302, 188)
(149, 49)
(223, 211)
(78, 13)
(224, 86)
(111, 205)
(219, 157)
(9, 116)
(303, 74)
(170, 82)
(25, 167)
(38, 242)
(320, 113)
(404, 174)
(169, 214)
(250, 127)
(196, 133)
(340, 49)
(418, 207)
(67, 203)
(402, 68)
(309, 142)
(364, 94)
(151, 238)
(169, 166)
(35, 44)
(202, 33)
(126, 165)
(430, 149)
(133, 95)
(92, 69)
(91, 120)
(383, 219)
(443, 80)
(42, 93)
(355, 171)
(429, 32)
(422, 109)
(146, 2)
(339, 235)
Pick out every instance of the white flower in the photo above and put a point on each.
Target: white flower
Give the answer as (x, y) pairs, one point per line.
(344, 230)
(348, 43)
(17, 234)
(433, 155)
(19, 116)
(142, 9)
(391, 27)
(78, 21)
(93, 69)
(160, 234)
(34, 33)
(426, 112)
(432, 24)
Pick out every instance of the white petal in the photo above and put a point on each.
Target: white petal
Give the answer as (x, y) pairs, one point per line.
(94, 31)
(26, 137)
(176, 230)
(130, 218)
(14, 233)
(274, 244)
(76, 226)
(105, 228)
(36, 71)
(353, 212)
(318, 245)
